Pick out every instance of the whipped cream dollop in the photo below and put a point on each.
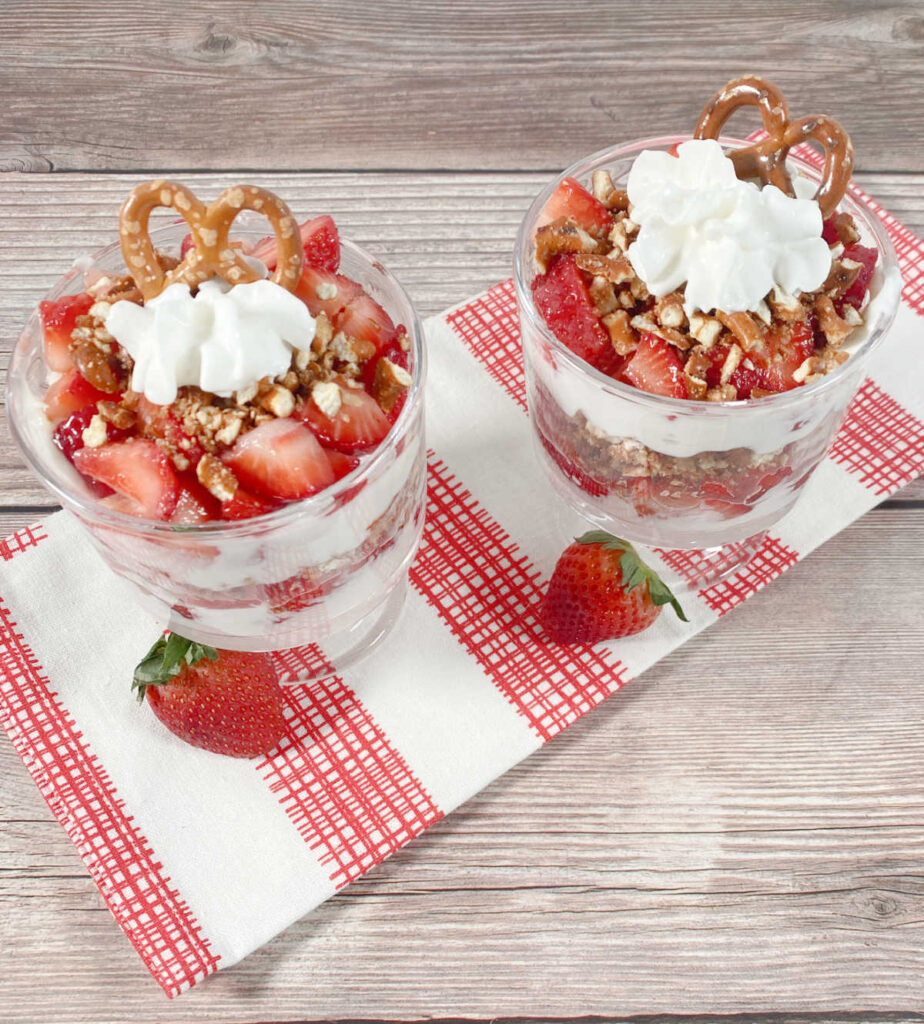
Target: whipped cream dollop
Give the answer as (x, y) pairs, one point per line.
(222, 339)
(728, 241)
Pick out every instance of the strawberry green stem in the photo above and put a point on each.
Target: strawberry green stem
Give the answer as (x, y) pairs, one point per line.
(165, 659)
(634, 571)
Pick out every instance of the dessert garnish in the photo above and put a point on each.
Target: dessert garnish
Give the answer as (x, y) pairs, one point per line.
(600, 590)
(726, 243)
(766, 159)
(228, 702)
(227, 380)
(712, 275)
(220, 339)
(211, 253)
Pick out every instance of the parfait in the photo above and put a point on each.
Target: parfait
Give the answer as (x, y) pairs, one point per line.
(235, 418)
(695, 315)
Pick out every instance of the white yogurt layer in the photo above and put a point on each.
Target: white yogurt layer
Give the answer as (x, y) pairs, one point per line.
(171, 569)
(240, 561)
(728, 241)
(221, 340)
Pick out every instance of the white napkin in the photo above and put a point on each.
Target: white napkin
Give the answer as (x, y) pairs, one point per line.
(203, 858)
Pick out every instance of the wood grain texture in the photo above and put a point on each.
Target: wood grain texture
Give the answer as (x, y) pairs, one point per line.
(740, 832)
(522, 84)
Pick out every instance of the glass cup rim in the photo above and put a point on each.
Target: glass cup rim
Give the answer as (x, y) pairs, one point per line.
(781, 400)
(314, 505)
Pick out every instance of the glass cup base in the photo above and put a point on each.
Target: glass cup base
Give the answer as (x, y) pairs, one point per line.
(347, 647)
(688, 570)
(310, 660)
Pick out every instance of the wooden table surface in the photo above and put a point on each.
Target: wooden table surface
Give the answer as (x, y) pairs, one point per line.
(741, 832)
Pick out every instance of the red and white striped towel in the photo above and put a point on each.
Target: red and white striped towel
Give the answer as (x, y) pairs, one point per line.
(464, 688)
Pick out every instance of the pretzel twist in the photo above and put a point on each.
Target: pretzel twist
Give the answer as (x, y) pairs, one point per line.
(766, 159)
(212, 253)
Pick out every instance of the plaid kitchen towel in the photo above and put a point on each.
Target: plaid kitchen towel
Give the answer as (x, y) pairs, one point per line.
(465, 687)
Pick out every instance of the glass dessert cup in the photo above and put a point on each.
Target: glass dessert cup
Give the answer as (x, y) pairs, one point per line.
(329, 570)
(675, 473)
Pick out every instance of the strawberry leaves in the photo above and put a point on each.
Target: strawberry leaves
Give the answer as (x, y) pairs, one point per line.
(634, 571)
(165, 659)
(227, 702)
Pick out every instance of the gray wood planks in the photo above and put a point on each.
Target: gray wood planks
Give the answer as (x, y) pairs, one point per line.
(740, 831)
(467, 85)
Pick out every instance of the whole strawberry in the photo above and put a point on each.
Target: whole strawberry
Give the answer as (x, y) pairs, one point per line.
(229, 702)
(600, 590)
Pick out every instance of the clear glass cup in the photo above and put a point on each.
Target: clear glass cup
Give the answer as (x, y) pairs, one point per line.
(328, 570)
(676, 473)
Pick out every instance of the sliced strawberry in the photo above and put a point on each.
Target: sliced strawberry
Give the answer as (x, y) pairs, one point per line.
(743, 488)
(573, 472)
(562, 297)
(640, 491)
(572, 200)
(717, 355)
(180, 440)
(320, 242)
(736, 494)
(159, 421)
(70, 393)
(767, 481)
(727, 509)
(68, 435)
(359, 422)
(187, 244)
(341, 464)
(715, 489)
(280, 459)
(777, 374)
(745, 377)
(58, 321)
(194, 503)
(294, 594)
(364, 318)
(136, 468)
(245, 505)
(655, 367)
(786, 351)
(315, 279)
(769, 366)
(856, 293)
(399, 356)
(120, 502)
(68, 438)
